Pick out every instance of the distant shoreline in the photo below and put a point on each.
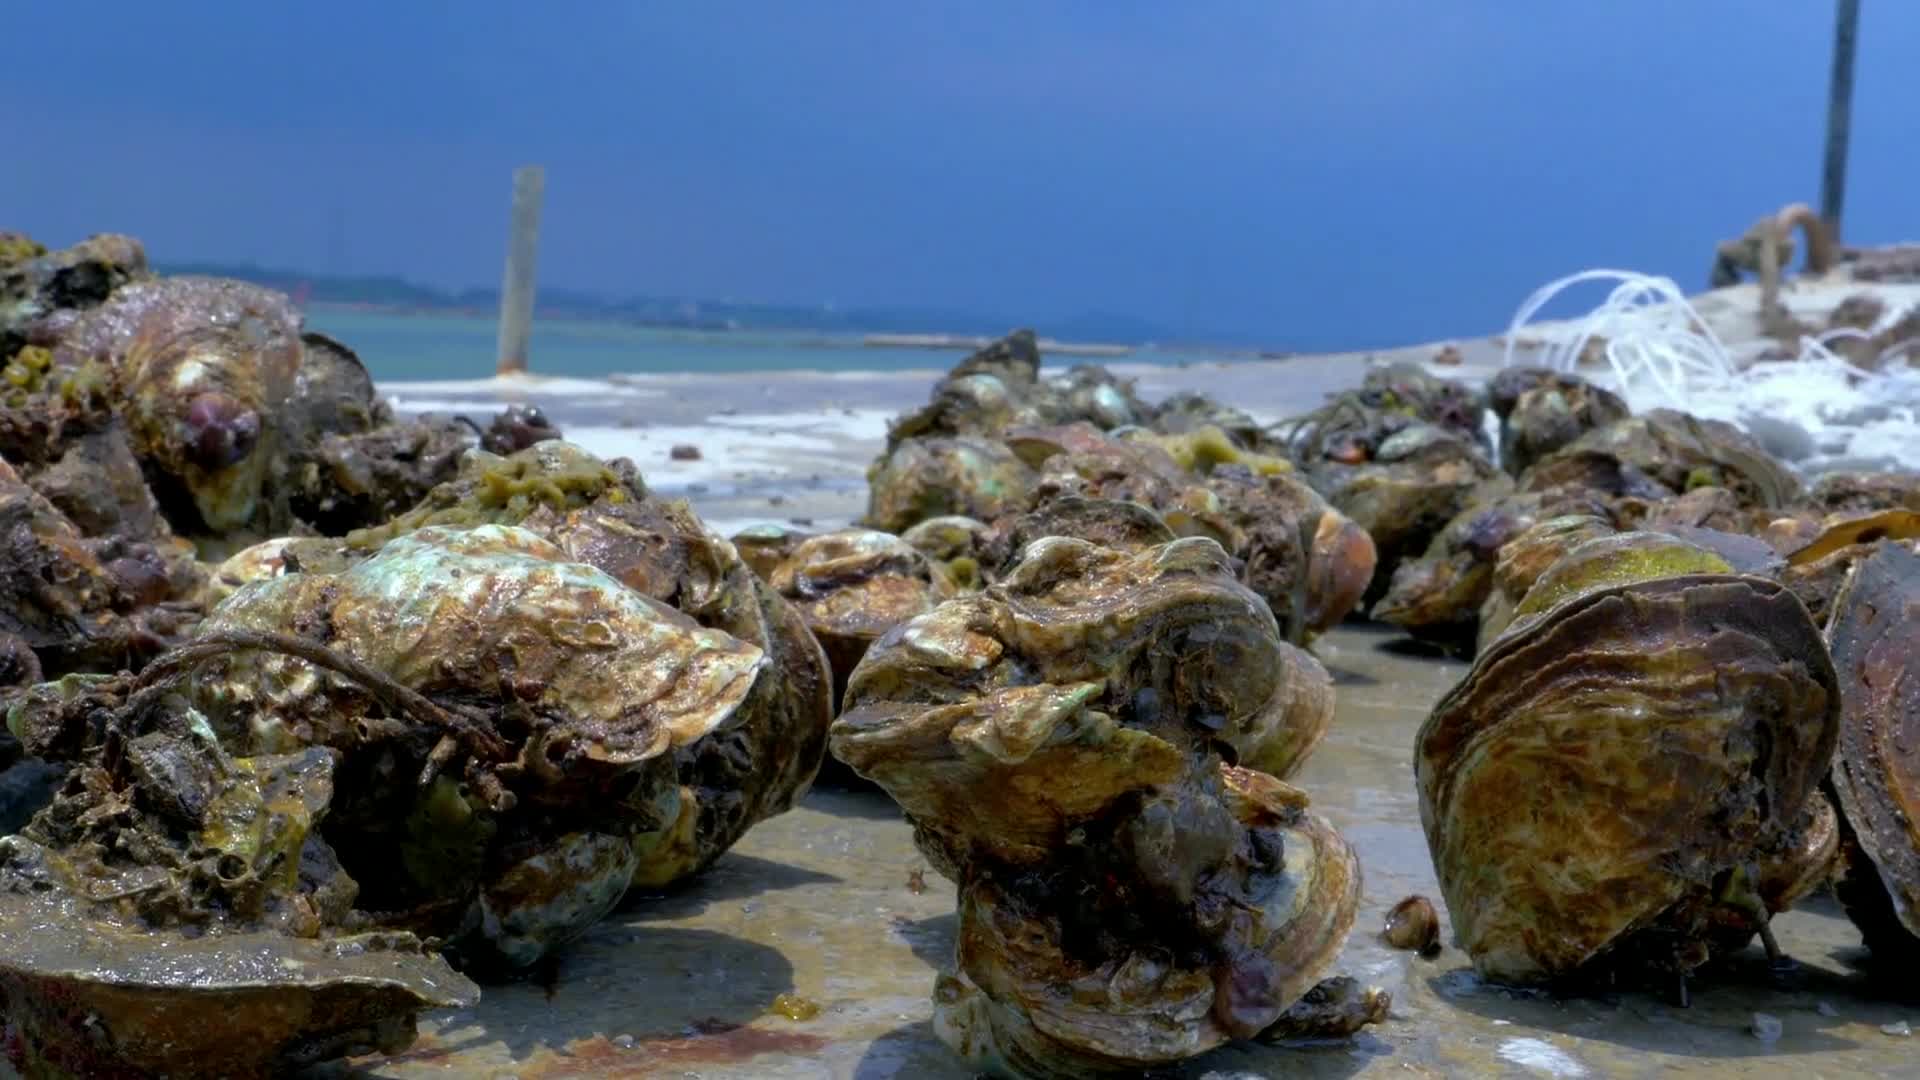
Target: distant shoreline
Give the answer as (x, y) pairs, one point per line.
(799, 336)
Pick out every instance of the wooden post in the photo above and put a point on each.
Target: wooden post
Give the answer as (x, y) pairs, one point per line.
(516, 288)
(1833, 177)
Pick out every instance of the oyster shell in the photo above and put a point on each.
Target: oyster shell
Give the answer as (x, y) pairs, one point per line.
(766, 751)
(81, 604)
(201, 367)
(1541, 410)
(1677, 453)
(1438, 597)
(1058, 742)
(38, 287)
(176, 911)
(82, 1000)
(925, 478)
(1411, 486)
(1620, 757)
(1000, 387)
(1875, 766)
(1527, 556)
(955, 544)
(852, 586)
(566, 695)
(764, 547)
(1863, 493)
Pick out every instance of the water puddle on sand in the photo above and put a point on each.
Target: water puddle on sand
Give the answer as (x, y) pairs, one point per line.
(820, 903)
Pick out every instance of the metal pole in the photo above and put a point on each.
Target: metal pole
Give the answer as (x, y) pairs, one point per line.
(516, 288)
(1833, 178)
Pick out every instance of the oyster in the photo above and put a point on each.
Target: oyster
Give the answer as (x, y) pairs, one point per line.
(1527, 556)
(852, 586)
(1109, 523)
(201, 367)
(38, 288)
(1863, 493)
(1600, 788)
(537, 701)
(176, 911)
(766, 751)
(75, 609)
(1311, 562)
(1000, 387)
(954, 543)
(1412, 484)
(1438, 596)
(765, 547)
(357, 480)
(932, 477)
(1677, 453)
(1875, 766)
(1061, 742)
(1818, 569)
(1541, 410)
(1187, 411)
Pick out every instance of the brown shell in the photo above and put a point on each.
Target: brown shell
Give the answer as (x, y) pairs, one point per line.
(936, 477)
(764, 547)
(1057, 741)
(1438, 596)
(1541, 411)
(88, 1000)
(1527, 556)
(1417, 481)
(1641, 729)
(1876, 770)
(177, 343)
(1679, 452)
(852, 586)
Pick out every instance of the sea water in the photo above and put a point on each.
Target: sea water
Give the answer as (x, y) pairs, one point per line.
(408, 348)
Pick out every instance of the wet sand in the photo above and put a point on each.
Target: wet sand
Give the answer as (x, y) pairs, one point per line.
(820, 903)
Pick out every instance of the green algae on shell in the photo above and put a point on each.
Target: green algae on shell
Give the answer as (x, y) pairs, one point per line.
(1650, 724)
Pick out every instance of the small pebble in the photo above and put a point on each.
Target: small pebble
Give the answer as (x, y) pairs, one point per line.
(1825, 1009)
(1766, 1028)
(795, 1007)
(1898, 1028)
(624, 1042)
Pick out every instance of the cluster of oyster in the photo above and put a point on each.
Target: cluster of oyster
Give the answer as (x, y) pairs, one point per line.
(322, 700)
(1001, 456)
(1686, 709)
(1094, 749)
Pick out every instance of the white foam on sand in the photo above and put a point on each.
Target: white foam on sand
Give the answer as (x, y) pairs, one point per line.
(1541, 1057)
(509, 387)
(777, 446)
(867, 424)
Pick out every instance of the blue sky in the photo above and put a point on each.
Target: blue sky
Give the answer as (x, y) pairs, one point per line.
(1307, 174)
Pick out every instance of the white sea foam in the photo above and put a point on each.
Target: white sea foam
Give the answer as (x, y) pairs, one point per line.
(1541, 1057)
(1817, 409)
